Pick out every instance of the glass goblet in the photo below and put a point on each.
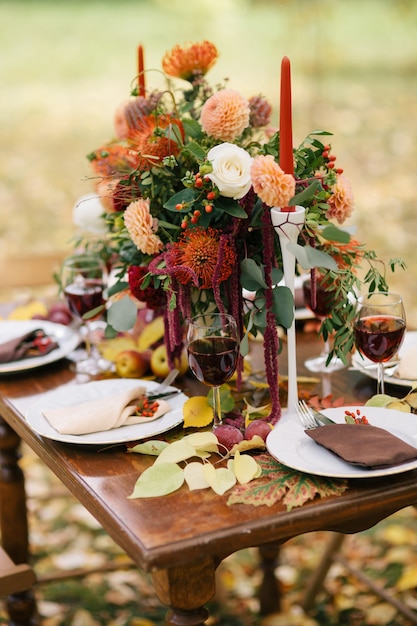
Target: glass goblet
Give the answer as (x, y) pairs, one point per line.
(379, 329)
(322, 307)
(83, 280)
(213, 349)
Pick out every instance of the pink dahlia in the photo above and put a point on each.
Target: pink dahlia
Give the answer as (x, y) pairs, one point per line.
(225, 115)
(341, 201)
(270, 182)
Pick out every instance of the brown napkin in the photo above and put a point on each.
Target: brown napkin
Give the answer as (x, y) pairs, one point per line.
(102, 414)
(31, 344)
(364, 445)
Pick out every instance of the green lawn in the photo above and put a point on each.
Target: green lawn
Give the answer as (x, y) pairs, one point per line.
(65, 66)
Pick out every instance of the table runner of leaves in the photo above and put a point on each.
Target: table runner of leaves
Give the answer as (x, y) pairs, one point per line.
(64, 536)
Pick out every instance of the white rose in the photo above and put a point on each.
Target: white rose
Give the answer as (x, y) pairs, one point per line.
(88, 214)
(231, 170)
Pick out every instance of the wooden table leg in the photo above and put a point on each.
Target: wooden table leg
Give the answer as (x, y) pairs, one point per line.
(186, 590)
(270, 589)
(13, 521)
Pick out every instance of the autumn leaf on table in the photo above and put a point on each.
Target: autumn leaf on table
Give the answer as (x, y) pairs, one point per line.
(197, 412)
(280, 483)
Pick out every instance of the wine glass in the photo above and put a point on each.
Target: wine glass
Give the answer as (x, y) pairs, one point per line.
(83, 278)
(322, 307)
(213, 349)
(379, 329)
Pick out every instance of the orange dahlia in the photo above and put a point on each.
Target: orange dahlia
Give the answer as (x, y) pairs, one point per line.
(198, 249)
(188, 61)
(341, 201)
(153, 141)
(225, 115)
(270, 182)
(141, 227)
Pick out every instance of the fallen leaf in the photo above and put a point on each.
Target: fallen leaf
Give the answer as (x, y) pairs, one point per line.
(244, 467)
(158, 480)
(176, 452)
(220, 480)
(153, 447)
(197, 412)
(194, 476)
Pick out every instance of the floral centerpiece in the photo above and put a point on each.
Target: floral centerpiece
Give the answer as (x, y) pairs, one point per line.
(188, 183)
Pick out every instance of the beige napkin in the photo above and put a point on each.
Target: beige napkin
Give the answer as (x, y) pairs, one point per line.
(407, 367)
(364, 445)
(102, 414)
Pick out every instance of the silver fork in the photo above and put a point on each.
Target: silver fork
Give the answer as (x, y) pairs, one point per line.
(306, 416)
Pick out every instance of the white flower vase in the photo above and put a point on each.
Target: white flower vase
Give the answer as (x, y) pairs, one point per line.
(288, 225)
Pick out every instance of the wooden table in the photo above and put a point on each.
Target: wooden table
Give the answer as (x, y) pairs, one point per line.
(180, 538)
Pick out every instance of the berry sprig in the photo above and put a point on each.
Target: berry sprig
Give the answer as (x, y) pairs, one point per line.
(145, 408)
(352, 417)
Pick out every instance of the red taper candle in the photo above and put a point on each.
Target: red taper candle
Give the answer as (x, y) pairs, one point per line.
(286, 159)
(141, 72)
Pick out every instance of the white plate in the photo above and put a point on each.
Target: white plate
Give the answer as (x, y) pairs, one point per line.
(410, 341)
(289, 444)
(66, 337)
(76, 394)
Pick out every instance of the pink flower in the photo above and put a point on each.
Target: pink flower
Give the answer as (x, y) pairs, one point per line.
(141, 226)
(341, 201)
(274, 187)
(225, 115)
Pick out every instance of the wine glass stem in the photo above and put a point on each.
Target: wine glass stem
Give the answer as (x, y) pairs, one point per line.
(381, 385)
(217, 407)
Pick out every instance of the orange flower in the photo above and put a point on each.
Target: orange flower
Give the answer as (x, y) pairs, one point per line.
(270, 182)
(188, 61)
(225, 115)
(112, 160)
(152, 141)
(341, 201)
(198, 250)
(141, 226)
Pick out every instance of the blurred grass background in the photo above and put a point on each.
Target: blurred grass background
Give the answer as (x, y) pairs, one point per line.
(65, 67)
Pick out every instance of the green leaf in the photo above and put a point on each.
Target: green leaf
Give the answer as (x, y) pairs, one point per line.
(332, 233)
(231, 207)
(186, 197)
(122, 314)
(309, 257)
(251, 276)
(158, 480)
(305, 195)
(192, 129)
(196, 150)
(175, 452)
(153, 447)
(283, 306)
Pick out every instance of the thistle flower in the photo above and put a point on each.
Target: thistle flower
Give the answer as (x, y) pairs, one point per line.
(260, 112)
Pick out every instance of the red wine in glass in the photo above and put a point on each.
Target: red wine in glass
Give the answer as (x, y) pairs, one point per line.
(213, 359)
(84, 296)
(379, 328)
(213, 349)
(321, 307)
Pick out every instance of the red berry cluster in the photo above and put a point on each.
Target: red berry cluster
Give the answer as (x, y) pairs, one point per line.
(203, 184)
(356, 417)
(330, 159)
(146, 408)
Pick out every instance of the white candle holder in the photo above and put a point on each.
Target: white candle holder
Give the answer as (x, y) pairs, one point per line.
(288, 225)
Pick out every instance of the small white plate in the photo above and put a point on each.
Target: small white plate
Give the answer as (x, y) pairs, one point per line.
(359, 363)
(67, 339)
(70, 395)
(289, 444)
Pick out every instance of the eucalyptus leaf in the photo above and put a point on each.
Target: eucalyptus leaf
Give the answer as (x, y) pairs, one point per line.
(251, 275)
(122, 314)
(309, 257)
(332, 233)
(283, 306)
(305, 195)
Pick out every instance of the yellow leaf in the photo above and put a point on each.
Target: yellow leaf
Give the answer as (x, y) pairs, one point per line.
(197, 412)
(220, 480)
(408, 579)
(244, 467)
(158, 480)
(194, 476)
(27, 311)
(256, 443)
(203, 441)
(176, 452)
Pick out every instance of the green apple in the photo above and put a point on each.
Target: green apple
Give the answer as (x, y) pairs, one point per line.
(132, 363)
(159, 362)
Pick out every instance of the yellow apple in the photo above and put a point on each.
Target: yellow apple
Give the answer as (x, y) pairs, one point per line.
(132, 364)
(159, 362)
